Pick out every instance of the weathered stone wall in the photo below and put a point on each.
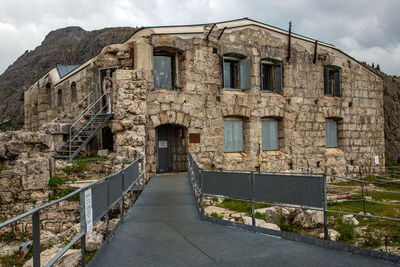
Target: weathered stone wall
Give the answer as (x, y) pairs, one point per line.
(25, 169)
(200, 103)
(38, 110)
(129, 123)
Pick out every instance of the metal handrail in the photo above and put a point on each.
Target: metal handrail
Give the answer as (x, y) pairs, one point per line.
(91, 106)
(36, 217)
(80, 102)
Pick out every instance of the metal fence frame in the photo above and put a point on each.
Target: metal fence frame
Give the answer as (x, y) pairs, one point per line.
(136, 185)
(195, 170)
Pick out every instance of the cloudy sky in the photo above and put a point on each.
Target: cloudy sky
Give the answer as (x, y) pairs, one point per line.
(368, 30)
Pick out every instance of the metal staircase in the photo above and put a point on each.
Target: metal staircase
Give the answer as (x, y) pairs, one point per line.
(89, 122)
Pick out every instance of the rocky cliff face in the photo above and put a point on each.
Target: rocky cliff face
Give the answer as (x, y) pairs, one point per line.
(67, 46)
(391, 100)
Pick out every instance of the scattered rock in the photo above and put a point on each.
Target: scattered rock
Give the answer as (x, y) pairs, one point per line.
(100, 227)
(47, 238)
(261, 223)
(94, 241)
(102, 152)
(333, 235)
(212, 209)
(309, 218)
(71, 258)
(8, 249)
(348, 218)
(112, 223)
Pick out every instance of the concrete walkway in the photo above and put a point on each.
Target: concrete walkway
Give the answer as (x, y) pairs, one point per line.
(164, 229)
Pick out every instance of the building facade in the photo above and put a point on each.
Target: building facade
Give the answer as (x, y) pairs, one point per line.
(238, 95)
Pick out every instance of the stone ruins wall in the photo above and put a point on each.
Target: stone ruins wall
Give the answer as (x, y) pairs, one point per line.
(25, 169)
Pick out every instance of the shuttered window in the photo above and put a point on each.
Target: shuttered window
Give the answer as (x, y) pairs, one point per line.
(271, 76)
(270, 134)
(237, 73)
(332, 81)
(233, 135)
(331, 133)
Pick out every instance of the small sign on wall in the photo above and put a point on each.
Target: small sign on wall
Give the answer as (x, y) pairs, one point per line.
(194, 138)
(162, 144)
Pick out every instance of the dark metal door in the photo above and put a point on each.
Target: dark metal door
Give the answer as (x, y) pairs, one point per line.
(163, 149)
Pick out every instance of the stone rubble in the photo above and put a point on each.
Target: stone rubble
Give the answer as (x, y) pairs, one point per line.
(348, 218)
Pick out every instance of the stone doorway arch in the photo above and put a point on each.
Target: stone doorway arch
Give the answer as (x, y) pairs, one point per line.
(171, 148)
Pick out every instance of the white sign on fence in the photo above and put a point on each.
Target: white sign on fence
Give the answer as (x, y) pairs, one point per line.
(88, 211)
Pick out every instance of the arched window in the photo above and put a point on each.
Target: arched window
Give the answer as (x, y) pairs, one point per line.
(73, 92)
(59, 98)
(48, 91)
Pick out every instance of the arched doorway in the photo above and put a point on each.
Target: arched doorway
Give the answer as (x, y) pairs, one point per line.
(171, 148)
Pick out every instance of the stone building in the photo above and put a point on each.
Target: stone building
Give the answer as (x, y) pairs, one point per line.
(239, 95)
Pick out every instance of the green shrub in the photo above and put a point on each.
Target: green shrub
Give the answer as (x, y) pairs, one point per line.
(76, 167)
(346, 231)
(371, 241)
(260, 216)
(55, 181)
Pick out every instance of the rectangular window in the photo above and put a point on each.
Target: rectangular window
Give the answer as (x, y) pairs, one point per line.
(271, 76)
(270, 134)
(163, 71)
(332, 81)
(331, 133)
(233, 135)
(237, 73)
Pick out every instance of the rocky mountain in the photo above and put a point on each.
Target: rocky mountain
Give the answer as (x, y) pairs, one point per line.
(67, 46)
(391, 102)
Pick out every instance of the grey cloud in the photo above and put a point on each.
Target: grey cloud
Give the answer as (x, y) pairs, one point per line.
(373, 24)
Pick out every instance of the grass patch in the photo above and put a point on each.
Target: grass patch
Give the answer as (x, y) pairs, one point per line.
(376, 209)
(287, 227)
(2, 169)
(259, 216)
(56, 181)
(89, 255)
(57, 192)
(13, 260)
(215, 215)
(91, 158)
(240, 206)
(371, 242)
(347, 232)
(76, 167)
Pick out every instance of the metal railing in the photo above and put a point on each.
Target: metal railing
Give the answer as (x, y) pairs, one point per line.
(91, 108)
(246, 181)
(75, 108)
(107, 192)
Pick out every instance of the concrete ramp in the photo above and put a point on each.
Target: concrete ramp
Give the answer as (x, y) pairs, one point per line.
(163, 229)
